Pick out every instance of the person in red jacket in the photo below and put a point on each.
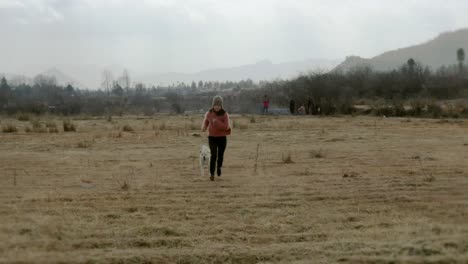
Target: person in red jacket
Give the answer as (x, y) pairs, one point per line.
(217, 122)
(266, 104)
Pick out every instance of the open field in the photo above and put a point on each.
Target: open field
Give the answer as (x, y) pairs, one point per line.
(293, 190)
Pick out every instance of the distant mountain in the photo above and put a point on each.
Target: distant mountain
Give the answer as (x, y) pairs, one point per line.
(434, 53)
(90, 76)
(262, 70)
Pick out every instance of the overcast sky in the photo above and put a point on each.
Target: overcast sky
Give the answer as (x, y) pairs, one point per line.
(192, 35)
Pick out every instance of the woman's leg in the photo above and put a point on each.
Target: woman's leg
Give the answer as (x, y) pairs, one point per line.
(214, 151)
(222, 142)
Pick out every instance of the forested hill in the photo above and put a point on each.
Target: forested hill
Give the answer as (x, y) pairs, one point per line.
(435, 53)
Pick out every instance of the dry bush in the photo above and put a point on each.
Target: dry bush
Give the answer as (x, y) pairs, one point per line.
(36, 127)
(127, 128)
(23, 117)
(239, 124)
(160, 126)
(191, 126)
(52, 127)
(51, 124)
(235, 123)
(9, 128)
(69, 126)
(124, 184)
(252, 119)
(84, 144)
(40, 130)
(287, 158)
(53, 130)
(317, 154)
(181, 133)
(434, 110)
(36, 123)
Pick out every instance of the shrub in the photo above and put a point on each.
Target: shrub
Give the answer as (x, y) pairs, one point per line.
(53, 130)
(384, 111)
(435, 110)
(23, 117)
(9, 128)
(36, 129)
(36, 124)
(238, 124)
(417, 108)
(40, 130)
(84, 144)
(316, 154)
(127, 128)
(68, 126)
(399, 110)
(51, 124)
(287, 158)
(347, 108)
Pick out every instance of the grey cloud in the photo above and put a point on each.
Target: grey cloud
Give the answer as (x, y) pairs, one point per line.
(191, 35)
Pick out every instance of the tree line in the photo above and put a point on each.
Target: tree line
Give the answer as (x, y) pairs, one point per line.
(412, 89)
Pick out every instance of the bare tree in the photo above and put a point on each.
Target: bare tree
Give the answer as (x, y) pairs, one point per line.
(107, 79)
(124, 80)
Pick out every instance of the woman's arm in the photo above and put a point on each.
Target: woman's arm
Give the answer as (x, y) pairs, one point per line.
(226, 123)
(205, 123)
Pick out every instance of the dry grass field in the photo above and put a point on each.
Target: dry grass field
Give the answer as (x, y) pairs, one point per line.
(293, 190)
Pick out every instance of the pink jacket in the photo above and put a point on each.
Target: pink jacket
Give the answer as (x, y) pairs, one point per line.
(218, 125)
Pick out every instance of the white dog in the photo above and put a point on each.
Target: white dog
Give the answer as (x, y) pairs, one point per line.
(205, 156)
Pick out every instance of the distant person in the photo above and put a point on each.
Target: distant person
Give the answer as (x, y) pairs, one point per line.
(292, 106)
(217, 122)
(266, 104)
(301, 110)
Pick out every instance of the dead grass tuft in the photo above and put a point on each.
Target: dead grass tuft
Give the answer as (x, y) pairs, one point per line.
(9, 128)
(51, 124)
(69, 126)
(84, 144)
(287, 158)
(23, 117)
(127, 128)
(239, 124)
(317, 154)
(53, 130)
(191, 126)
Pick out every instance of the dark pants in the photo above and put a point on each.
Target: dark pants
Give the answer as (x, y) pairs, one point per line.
(217, 147)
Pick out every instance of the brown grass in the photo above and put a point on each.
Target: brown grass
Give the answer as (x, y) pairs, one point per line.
(9, 128)
(395, 196)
